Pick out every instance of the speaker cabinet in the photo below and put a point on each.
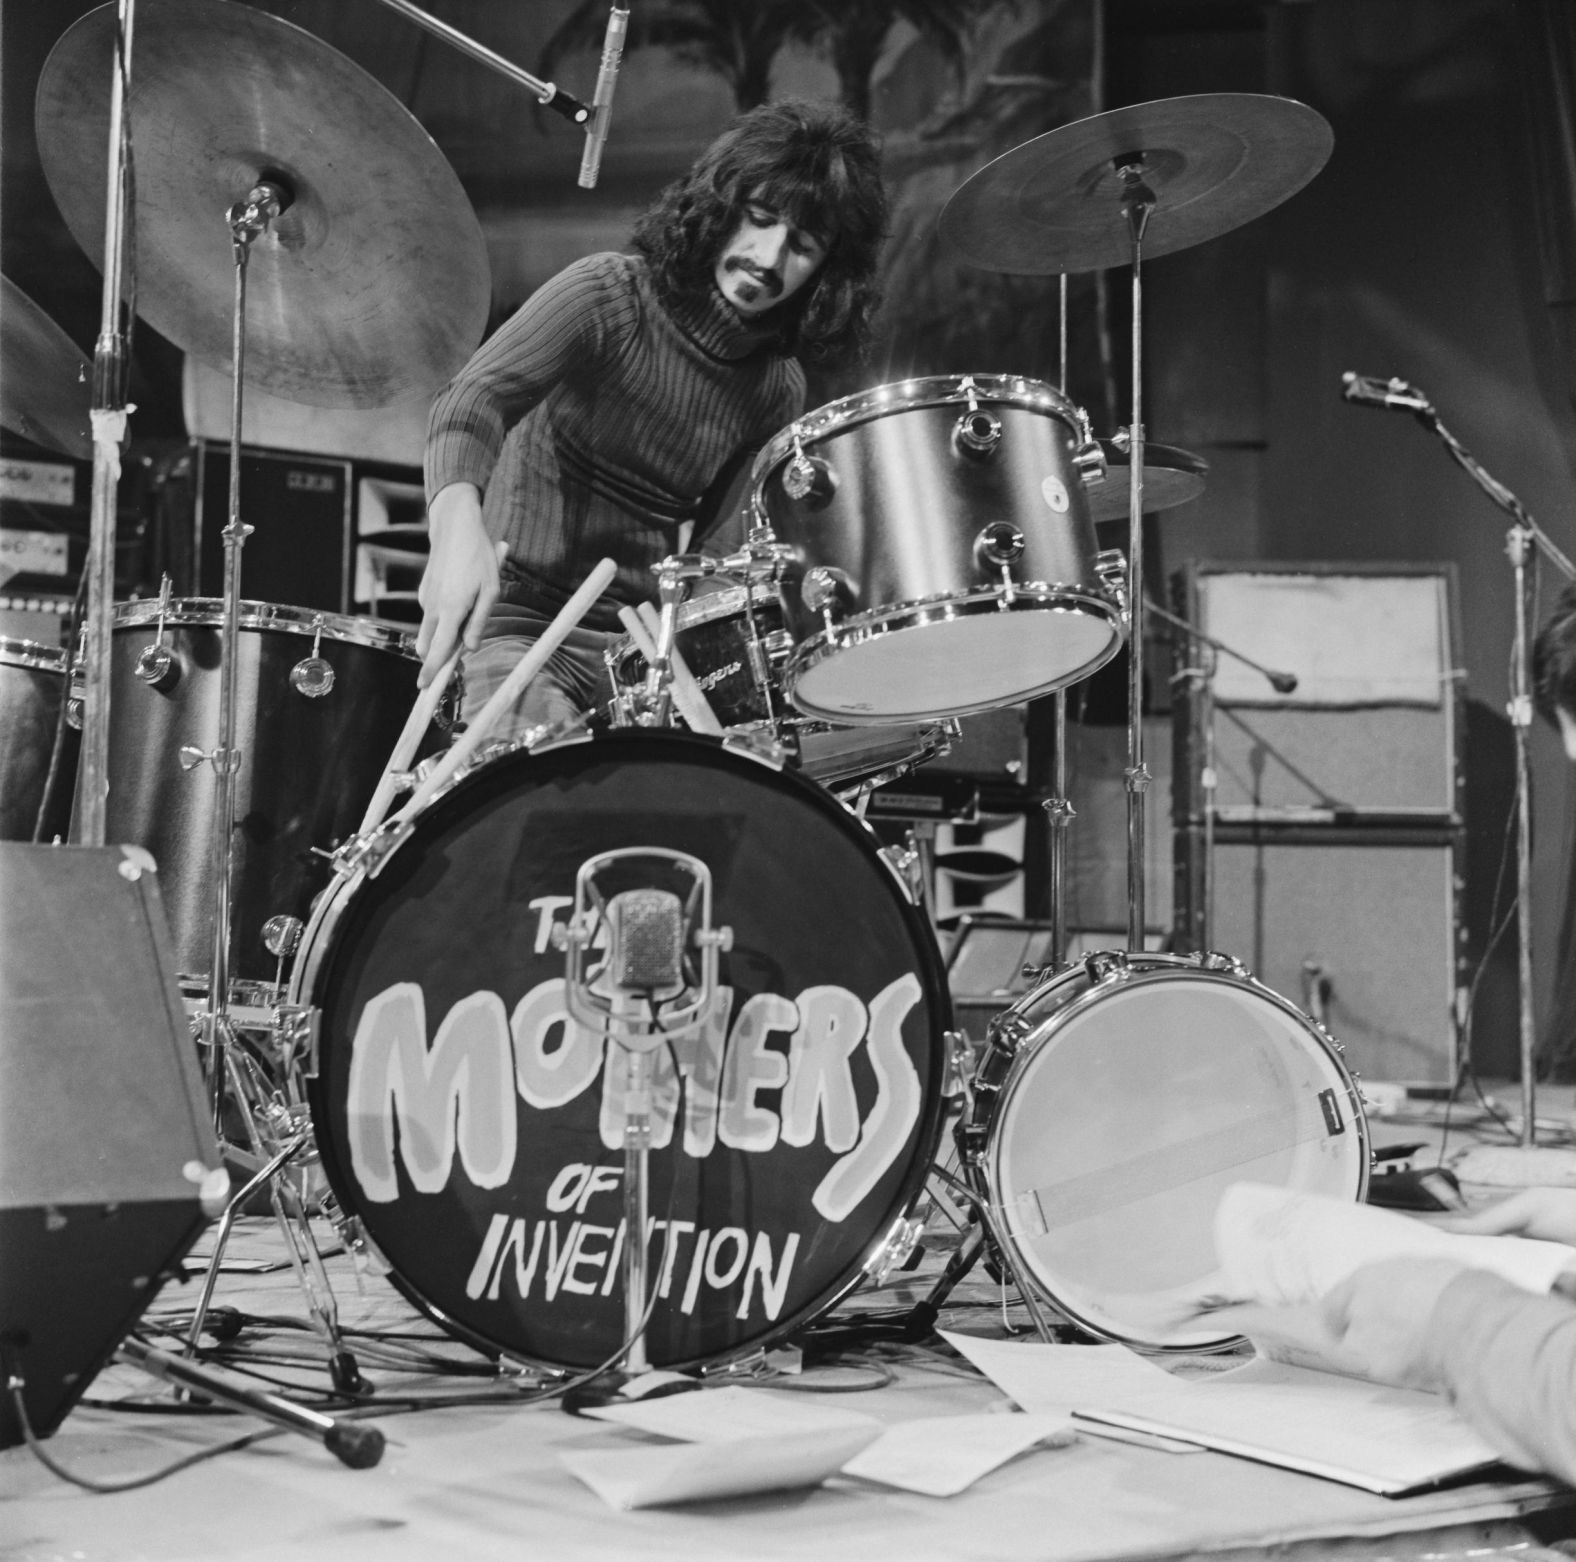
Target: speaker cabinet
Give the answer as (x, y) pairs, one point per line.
(1365, 723)
(299, 508)
(1359, 930)
(107, 1152)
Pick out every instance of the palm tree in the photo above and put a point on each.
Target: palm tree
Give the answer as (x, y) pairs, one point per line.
(739, 39)
(853, 32)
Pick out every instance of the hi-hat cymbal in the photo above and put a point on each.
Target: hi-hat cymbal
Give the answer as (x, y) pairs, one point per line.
(370, 289)
(1172, 476)
(1212, 162)
(46, 391)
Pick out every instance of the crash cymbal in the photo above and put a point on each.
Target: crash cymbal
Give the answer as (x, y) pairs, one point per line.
(46, 387)
(1171, 477)
(370, 289)
(1212, 163)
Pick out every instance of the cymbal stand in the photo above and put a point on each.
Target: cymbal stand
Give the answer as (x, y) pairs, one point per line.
(111, 363)
(247, 219)
(1138, 201)
(1058, 806)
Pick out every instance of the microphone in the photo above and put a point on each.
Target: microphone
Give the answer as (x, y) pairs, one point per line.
(651, 935)
(602, 98)
(646, 943)
(1370, 392)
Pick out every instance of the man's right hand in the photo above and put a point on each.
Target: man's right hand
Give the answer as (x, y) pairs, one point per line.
(460, 582)
(1548, 1214)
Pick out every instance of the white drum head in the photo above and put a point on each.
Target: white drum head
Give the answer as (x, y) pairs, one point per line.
(1129, 1113)
(978, 661)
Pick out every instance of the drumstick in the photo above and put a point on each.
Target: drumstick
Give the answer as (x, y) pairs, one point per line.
(505, 694)
(416, 724)
(688, 695)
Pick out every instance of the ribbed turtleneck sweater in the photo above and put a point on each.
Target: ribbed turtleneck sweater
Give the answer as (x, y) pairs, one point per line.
(595, 419)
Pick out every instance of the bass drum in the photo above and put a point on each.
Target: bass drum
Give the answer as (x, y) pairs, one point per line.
(475, 1131)
(1115, 1104)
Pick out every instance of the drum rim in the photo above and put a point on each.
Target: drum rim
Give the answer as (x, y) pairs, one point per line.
(936, 390)
(208, 612)
(937, 740)
(318, 941)
(981, 1166)
(865, 628)
(34, 654)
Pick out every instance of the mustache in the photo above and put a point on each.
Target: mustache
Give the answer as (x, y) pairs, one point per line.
(770, 279)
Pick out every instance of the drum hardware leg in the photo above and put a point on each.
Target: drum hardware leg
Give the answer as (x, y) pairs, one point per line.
(360, 1447)
(291, 1214)
(1060, 814)
(644, 627)
(659, 679)
(259, 1178)
(1047, 1331)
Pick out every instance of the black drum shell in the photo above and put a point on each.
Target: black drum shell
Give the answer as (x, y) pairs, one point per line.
(307, 766)
(457, 910)
(32, 690)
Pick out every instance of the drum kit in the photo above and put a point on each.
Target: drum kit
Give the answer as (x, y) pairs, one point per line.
(394, 1009)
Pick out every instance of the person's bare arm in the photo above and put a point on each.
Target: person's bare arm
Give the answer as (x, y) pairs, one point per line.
(460, 582)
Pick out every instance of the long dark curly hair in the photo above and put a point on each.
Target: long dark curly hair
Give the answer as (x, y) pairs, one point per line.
(1554, 659)
(814, 164)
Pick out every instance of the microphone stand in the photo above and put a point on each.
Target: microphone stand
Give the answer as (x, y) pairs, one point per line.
(1201, 919)
(1520, 540)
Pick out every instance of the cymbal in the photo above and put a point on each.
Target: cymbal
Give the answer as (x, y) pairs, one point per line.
(46, 392)
(1212, 162)
(1172, 476)
(371, 287)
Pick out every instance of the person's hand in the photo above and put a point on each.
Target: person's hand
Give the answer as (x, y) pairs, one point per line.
(1545, 1213)
(460, 583)
(1378, 1317)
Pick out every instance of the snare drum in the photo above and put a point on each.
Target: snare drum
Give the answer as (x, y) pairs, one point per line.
(1113, 1106)
(32, 688)
(735, 645)
(946, 559)
(475, 1131)
(320, 703)
(733, 642)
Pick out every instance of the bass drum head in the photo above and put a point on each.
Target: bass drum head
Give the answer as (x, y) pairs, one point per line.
(477, 1133)
(1128, 1113)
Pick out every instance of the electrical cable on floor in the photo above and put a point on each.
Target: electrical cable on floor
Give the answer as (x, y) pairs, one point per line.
(16, 1386)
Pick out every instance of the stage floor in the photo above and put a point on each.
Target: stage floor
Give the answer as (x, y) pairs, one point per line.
(472, 1468)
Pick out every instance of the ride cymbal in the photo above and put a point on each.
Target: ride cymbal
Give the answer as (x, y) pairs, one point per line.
(46, 390)
(370, 288)
(1212, 162)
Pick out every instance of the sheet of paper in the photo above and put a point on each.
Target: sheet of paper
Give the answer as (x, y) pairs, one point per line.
(939, 1456)
(1385, 1440)
(689, 1472)
(1056, 1379)
(722, 1415)
(1282, 1248)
